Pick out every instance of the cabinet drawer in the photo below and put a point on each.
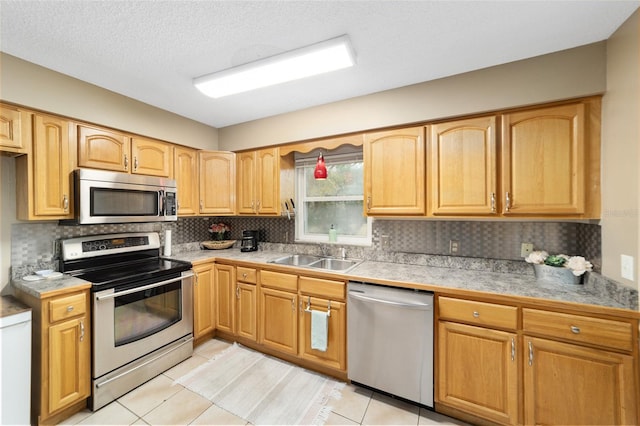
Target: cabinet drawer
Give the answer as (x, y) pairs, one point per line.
(67, 307)
(478, 313)
(578, 328)
(247, 275)
(279, 280)
(330, 289)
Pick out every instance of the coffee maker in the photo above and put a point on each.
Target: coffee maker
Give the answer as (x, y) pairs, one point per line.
(249, 241)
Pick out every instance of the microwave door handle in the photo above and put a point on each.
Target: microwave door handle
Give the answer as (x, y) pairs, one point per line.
(161, 203)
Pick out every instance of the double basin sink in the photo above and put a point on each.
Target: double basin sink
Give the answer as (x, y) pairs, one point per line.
(317, 262)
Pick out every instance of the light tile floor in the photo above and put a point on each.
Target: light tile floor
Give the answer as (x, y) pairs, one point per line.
(161, 402)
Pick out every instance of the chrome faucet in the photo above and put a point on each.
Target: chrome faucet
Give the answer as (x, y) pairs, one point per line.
(343, 253)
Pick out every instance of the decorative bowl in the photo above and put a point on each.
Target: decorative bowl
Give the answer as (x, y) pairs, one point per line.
(217, 245)
(556, 274)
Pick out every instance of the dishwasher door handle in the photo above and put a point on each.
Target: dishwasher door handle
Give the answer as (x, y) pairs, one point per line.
(421, 306)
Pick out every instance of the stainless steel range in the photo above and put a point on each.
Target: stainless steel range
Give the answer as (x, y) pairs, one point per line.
(142, 311)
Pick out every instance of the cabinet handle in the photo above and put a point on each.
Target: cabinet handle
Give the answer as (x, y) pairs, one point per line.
(293, 304)
(257, 206)
(369, 203)
(135, 163)
(507, 206)
(530, 353)
(201, 203)
(69, 308)
(244, 275)
(476, 314)
(65, 202)
(493, 202)
(126, 162)
(513, 349)
(82, 330)
(237, 292)
(195, 279)
(575, 330)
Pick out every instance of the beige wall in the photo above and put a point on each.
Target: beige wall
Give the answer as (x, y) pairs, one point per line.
(620, 151)
(562, 75)
(36, 87)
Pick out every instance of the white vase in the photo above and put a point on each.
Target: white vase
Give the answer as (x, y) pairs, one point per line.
(556, 274)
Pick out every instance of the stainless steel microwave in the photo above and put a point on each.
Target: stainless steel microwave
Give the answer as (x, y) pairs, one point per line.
(111, 197)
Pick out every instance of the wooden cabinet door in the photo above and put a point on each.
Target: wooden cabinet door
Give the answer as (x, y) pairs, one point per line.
(570, 384)
(336, 354)
(543, 161)
(394, 172)
(14, 129)
(268, 181)
(225, 297)
(151, 157)
(246, 311)
(69, 361)
(203, 302)
(51, 168)
(279, 320)
(246, 179)
(185, 163)
(462, 167)
(478, 371)
(217, 183)
(103, 149)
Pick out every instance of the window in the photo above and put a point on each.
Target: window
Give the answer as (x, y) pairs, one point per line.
(337, 200)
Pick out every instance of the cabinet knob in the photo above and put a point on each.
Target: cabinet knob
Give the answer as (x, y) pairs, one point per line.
(70, 308)
(476, 314)
(575, 330)
(244, 275)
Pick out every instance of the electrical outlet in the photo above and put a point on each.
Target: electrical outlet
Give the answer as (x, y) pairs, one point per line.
(454, 245)
(626, 266)
(525, 249)
(384, 241)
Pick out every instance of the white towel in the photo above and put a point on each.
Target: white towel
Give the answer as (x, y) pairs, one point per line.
(319, 330)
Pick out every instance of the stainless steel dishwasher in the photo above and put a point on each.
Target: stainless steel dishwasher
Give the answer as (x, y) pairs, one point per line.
(390, 340)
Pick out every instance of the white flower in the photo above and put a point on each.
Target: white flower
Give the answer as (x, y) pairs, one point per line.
(578, 265)
(536, 257)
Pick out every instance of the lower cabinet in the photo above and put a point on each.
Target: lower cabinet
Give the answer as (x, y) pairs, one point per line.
(246, 303)
(478, 371)
(61, 361)
(335, 355)
(279, 320)
(567, 368)
(203, 306)
(224, 297)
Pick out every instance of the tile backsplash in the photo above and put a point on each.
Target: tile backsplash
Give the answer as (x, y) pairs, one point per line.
(36, 243)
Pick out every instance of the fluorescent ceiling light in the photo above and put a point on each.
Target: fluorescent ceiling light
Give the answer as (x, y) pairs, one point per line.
(316, 59)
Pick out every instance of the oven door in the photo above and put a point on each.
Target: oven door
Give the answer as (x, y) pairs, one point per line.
(134, 320)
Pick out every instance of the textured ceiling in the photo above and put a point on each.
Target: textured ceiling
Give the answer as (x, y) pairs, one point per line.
(151, 50)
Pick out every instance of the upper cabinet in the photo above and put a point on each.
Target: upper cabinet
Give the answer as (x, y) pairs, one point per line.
(151, 157)
(259, 182)
(15, 129)
(185, 164)
(100, 148)
(543, 161)
(462, 167)
(43, 183)
(217, 183)
(103, 149)
(394, 172)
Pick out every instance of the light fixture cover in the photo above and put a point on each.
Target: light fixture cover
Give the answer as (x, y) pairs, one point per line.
(320, 171)
(323, 57)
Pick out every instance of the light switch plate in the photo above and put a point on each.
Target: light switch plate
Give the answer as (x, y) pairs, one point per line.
(525, 249)
(626, 266)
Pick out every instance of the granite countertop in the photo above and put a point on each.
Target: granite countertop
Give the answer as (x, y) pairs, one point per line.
(437, 278)
(9, 306)
(50, 287)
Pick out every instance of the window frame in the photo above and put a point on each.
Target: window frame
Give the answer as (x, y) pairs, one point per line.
(309, 160)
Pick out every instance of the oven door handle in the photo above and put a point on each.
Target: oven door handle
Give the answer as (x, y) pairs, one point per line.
(146, 287)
